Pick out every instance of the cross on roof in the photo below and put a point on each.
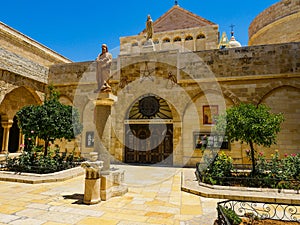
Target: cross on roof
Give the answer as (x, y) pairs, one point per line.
(176, 2)
(232, 26)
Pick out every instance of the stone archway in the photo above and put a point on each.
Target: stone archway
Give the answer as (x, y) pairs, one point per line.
(149, 132)
(285, 99)
(11, 104)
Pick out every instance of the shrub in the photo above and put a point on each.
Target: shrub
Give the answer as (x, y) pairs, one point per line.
(232, 217)
(221, 167)
(275, 172)
(35, 161)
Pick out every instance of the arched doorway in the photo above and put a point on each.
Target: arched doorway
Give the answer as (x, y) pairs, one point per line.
(9, 106)
(149, 132)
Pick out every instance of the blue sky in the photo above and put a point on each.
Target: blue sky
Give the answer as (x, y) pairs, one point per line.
(76, 29)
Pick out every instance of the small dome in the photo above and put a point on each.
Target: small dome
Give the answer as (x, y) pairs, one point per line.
(233, 43)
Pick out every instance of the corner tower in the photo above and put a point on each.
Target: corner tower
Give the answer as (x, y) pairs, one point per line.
(277, 24)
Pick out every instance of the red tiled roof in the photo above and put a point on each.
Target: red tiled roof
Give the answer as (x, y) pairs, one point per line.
(178, 18)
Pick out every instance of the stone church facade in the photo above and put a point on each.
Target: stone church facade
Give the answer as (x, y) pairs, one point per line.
(164, 98)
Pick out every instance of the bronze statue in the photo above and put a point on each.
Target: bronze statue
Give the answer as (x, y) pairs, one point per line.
(149, 28)
(103, 70)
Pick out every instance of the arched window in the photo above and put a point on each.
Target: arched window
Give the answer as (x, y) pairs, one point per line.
(189, 38)
(134, 44)
(156, 41)
(201, 36)
(177, 39)
(166, 40)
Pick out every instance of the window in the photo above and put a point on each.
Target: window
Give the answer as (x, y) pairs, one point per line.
(156, 41)
(177, 39)
(210, 141)
(134, 44)
(166, 40)
(189, 38)
(201, 36)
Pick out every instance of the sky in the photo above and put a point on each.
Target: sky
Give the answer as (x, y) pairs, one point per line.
(77, 29)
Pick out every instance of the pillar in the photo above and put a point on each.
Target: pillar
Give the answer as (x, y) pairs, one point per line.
(6, 127)
(92, 180)
(102, 122)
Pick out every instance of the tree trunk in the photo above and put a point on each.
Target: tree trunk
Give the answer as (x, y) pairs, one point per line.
(252, 158)
(46, 147)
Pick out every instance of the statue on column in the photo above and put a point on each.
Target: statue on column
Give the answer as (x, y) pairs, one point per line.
(149, 28)
(103, 70)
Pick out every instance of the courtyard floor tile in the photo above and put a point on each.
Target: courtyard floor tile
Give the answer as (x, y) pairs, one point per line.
(154, 197)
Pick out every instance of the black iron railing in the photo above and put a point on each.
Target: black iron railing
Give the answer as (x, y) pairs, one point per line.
(258, 210)
(222, 218)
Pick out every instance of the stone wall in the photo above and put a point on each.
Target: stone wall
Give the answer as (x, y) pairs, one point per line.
(20, 44)
(277, 24)
(192, 39)
(261, 60)
(267, 74)
(23, 67)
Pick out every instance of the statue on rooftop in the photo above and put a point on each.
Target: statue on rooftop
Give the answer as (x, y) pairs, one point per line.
(149, 28)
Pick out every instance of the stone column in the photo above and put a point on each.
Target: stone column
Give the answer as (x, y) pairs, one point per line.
(92, 180)
(102, 121)
(6, 127)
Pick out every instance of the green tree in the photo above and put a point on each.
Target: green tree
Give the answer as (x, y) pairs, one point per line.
(251, 124)
(49, 121)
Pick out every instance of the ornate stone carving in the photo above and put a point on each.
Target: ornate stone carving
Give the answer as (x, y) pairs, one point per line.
(92, 179)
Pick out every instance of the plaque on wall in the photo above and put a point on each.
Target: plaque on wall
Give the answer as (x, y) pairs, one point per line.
(210, 141)
(209, 112)
(89, 139)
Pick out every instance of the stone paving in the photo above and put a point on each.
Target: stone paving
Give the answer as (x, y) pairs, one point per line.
(154, 197)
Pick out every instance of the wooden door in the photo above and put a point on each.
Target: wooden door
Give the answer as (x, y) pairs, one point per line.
(149, 143)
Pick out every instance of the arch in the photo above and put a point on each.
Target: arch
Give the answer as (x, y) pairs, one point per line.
(149, 131)
(232, 96)
(166, 40)
(156, 41)
(201, 36)
(149, 106)
(17, 99)
(194, 119)
(285, 99)
(134, 44)
(177, 39)
(270, 89)
(11, 104)
(189, 38)
(65, 100)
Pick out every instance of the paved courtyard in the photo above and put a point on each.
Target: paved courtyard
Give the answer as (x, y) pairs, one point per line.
(154, 197)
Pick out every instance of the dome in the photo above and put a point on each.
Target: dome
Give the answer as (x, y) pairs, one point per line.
(233, 43)
(277, 24)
